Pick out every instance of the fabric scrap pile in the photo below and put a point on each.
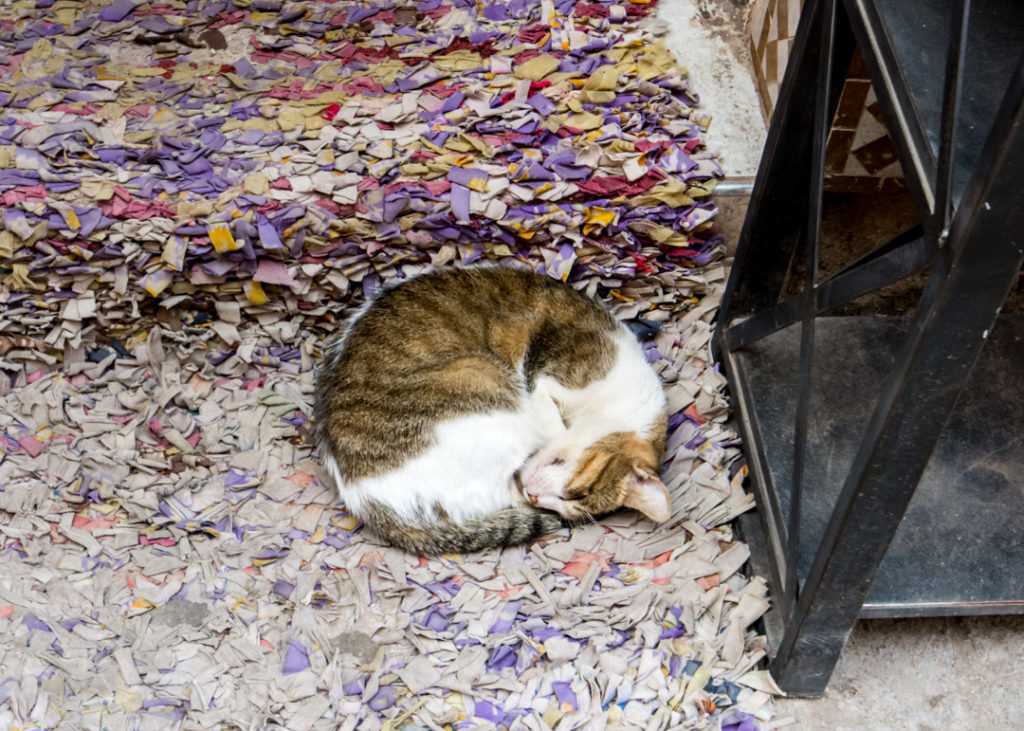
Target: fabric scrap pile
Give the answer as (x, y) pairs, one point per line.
(195, 193)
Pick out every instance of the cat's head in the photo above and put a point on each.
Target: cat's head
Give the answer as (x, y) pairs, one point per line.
(580, 481)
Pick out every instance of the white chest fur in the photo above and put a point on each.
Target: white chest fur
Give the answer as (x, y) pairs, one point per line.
(468, 471)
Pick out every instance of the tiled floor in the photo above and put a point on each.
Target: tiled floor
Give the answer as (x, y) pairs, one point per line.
(920, 674)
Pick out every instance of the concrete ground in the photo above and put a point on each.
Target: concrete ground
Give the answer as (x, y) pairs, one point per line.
(895, 674)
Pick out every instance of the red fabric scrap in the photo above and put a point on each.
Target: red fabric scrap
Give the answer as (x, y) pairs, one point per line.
(384, 16)
(620, 185)
(535, 86)
(227, 18)
(359, 84)
(145, 540)
(85, 111)
(591, 10)
(138, 110)
(328, 205)
(524, 56)
(534, 33)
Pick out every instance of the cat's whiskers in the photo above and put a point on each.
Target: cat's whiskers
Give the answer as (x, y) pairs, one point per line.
(588, 514)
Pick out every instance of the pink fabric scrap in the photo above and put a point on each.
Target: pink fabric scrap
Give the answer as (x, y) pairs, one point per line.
(272, 271)
(32, 445)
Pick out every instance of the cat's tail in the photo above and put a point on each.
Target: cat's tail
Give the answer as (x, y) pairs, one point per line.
(508, 527)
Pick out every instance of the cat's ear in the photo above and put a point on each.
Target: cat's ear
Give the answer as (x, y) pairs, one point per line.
(646, 493)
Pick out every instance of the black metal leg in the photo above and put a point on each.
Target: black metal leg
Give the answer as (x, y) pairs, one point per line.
(970, 281)
(782, 187)
(823, 113)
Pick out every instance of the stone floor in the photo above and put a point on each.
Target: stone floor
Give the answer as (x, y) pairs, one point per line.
(895, 674)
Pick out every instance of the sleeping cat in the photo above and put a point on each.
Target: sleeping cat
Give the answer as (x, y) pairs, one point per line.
(470, 408)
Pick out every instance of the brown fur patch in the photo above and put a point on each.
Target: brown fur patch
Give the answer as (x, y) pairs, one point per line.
(450, 343)
(601, 473)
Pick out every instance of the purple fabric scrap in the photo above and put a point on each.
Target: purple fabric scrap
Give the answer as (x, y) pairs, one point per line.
(564, 693)
(296, 658)
(117, 10)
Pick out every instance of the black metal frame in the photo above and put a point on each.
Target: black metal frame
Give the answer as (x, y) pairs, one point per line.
(974, 256)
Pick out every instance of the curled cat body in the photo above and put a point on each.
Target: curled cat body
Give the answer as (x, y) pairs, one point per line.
(471, 408)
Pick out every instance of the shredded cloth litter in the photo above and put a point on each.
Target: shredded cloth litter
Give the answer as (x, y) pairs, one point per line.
(195, 192)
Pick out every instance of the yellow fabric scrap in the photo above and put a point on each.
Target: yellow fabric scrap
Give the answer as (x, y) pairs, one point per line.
(672, 192)
(315, 122)
(20, 279)
(129, 699)
(584, 121)
(8, 244)
(346, 522)
(256, 183)
(655, 61)
(110, 506)
(605, 78)
(222, 240)
(236, 81)
(397, 40)
(501, 250)
(147, 71)
(70, 218)
(96, 189)
(621, 146)
(597, 218)
(552, 716)
(482, 147)
(254, 291)
(329, 71)
(537, 67)
(667, 236)
(459, 60)
(458, 145)
(385, 72)
(26, 92)
(189, 210)
(413, 169)
(554, 122)
(597, 97)
(407, 222)
(431, 146)
(700, 678)
(67, 14)
(290, 118)
(702, 190)
(41, 61)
